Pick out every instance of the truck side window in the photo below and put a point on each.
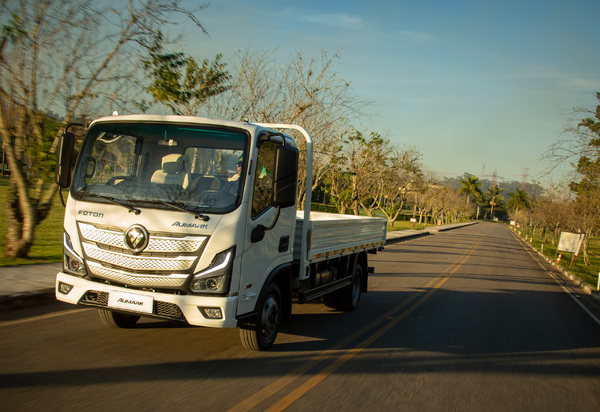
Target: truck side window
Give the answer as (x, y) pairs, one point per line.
(263, 180)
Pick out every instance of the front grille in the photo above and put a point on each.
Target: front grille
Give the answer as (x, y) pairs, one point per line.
(138, 280)
(166, 309)
(166, 263)
(181, 263)
(93, 297)
(161, 309)
(184, 244)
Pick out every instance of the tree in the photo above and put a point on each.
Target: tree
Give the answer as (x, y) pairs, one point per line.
(355, 167)
(72, 57)
(180, 82)
(586, 185)
(470, 186)
(518, 200)
(551, 212)
(402, 176)
(494, 197)
(303, 90)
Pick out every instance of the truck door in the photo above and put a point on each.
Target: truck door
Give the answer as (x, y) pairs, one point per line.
(262, 255)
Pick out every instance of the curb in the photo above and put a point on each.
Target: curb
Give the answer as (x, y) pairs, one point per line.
(428, 231)
(407, 237)
(576, 281)
(26, 299)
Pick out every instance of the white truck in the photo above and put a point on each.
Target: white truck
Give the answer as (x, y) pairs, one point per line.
(194, 220)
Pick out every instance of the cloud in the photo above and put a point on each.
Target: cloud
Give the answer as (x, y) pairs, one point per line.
(341, 20)
(419, 36)
(581, 83)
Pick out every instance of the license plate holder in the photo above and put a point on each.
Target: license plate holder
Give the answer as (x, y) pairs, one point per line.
(130, 301)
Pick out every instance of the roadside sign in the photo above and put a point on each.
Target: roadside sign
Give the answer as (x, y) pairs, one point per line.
(570, 242)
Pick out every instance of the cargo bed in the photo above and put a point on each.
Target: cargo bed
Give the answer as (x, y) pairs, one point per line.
(333, 235)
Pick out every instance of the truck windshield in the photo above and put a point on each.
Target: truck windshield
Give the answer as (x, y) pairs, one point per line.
(198, 168)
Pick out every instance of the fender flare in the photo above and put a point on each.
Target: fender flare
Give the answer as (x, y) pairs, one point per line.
(282, 275)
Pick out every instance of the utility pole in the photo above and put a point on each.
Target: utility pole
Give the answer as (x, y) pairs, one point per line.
(525, 175)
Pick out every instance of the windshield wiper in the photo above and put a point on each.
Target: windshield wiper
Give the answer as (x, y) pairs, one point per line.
(197, 215)
(112, 200)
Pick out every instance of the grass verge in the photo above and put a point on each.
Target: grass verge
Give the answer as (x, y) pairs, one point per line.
(586, 273)
(47, 245)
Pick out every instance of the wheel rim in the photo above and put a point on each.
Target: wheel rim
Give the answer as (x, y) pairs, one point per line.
(270, 318)
(356, 280)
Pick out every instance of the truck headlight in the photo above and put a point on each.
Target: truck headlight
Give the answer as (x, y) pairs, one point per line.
(217, 277)
(72, 262)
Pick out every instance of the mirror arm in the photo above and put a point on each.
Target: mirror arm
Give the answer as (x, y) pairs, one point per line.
(62, 200)
(258, 233)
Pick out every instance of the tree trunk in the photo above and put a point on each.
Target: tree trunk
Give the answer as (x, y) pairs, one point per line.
(21, 223)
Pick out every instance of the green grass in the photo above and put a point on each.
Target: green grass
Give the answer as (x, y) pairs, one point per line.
(405, 225)
(47, 245)
(585, 273)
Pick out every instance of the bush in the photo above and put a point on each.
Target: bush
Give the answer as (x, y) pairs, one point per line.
(317, 207)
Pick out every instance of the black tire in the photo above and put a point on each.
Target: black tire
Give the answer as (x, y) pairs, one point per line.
(261, 335)
(349, 297)
(118, 319)
(332, 300)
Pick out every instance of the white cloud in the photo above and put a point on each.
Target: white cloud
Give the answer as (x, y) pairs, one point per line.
(419, 36)
(581, 83)
(342, 20)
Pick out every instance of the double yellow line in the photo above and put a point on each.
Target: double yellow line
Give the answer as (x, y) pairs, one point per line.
(393, 317)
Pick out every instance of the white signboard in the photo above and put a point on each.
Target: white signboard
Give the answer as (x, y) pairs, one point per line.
(570, 242)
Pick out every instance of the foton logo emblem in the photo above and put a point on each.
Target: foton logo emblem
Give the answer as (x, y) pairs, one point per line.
(136, 238)
(90, 213)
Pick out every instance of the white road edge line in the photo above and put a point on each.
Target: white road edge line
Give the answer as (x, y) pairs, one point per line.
(586, 310)
(594, 318)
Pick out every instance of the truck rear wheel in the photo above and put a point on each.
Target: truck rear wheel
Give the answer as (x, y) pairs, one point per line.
(350, 296)
(117, 319)
(261, 335)
(347, 298)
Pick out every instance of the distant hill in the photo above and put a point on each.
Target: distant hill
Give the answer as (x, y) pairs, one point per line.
(533, 189)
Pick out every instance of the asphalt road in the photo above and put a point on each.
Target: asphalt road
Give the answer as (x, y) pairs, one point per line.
(464, 320)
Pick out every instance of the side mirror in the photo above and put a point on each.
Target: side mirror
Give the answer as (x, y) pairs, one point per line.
(285, 179)
(64, 158)
(258, 234)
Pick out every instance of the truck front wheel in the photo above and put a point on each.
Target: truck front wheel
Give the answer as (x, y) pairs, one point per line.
(117, 319)
(261, 334)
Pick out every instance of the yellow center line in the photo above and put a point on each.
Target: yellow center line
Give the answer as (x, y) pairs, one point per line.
(347, 354)
(39, 317)
(276, 386)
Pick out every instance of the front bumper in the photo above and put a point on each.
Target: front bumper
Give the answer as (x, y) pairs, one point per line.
(167, 306)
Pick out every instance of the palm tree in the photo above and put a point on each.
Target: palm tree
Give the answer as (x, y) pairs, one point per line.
(519, 199)
(470, 186)
(494, 196)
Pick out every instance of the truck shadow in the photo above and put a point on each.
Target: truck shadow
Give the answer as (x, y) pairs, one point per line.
(504, 332)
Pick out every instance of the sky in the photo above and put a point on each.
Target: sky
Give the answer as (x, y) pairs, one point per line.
(476, 86)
